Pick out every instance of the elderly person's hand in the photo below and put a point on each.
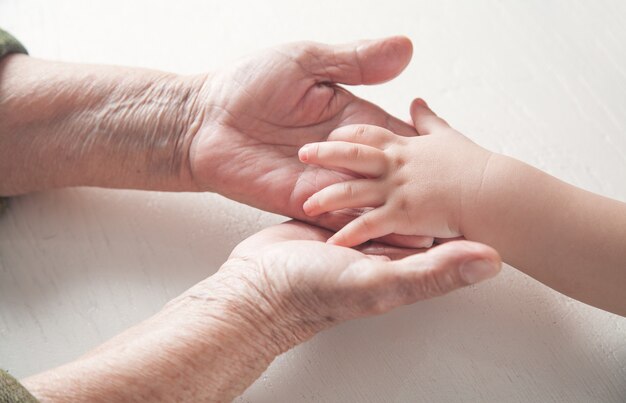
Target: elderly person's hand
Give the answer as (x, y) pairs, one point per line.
(256, 115)
(235, 131)
(278, 288)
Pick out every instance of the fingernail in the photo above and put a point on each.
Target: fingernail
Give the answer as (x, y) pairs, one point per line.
(476, 271)
(303, 153)
(421, 102)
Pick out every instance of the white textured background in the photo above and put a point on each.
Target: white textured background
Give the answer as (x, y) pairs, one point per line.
(544, 81)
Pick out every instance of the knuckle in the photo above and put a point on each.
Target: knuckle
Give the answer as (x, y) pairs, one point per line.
(360, 131)
(398, 161)
(395, 156)
(354, 152)
(348, 190)
(366, 223)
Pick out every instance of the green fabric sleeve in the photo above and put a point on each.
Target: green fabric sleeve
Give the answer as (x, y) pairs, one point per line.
(8, 44)
(12, 392)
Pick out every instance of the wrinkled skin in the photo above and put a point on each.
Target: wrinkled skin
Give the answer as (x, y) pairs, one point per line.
(278, 288)
(257, 114)
(308, 285)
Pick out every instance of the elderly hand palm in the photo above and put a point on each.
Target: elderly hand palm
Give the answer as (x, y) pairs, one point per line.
(315, 285)
(259, 113)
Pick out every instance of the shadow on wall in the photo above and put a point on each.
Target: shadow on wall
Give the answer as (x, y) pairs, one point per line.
(508, 340)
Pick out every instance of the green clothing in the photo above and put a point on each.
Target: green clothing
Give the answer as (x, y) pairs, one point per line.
(12, 392)
(8, 44)
(10, 389)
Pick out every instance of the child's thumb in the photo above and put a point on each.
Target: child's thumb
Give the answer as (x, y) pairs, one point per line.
(424, 119)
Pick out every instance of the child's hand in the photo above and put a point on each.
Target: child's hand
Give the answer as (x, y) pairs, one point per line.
(416, 185)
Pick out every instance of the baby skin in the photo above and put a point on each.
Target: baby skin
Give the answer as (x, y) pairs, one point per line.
(443, 185)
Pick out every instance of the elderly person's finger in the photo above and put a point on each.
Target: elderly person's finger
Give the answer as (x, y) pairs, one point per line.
(386, 285)
(362, 62)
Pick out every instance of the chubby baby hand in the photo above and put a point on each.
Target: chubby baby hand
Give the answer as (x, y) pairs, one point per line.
(420, 185)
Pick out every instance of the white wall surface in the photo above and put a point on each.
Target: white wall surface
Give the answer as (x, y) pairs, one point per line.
(543, 81)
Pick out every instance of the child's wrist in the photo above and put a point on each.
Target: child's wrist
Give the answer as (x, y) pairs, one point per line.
(487, 193)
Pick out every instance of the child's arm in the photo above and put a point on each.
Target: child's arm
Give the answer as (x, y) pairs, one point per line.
(442, 184)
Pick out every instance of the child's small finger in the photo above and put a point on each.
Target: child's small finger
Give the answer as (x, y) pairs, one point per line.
(370, 135)
(349, 194)
(358, 158)
(370, 225)
(408, 241)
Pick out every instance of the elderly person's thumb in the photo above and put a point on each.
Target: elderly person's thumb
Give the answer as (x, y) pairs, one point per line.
(436, 272)
(362, 62)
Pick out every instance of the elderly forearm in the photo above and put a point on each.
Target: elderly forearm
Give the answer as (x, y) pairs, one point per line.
(200, 347)
(64, 124)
